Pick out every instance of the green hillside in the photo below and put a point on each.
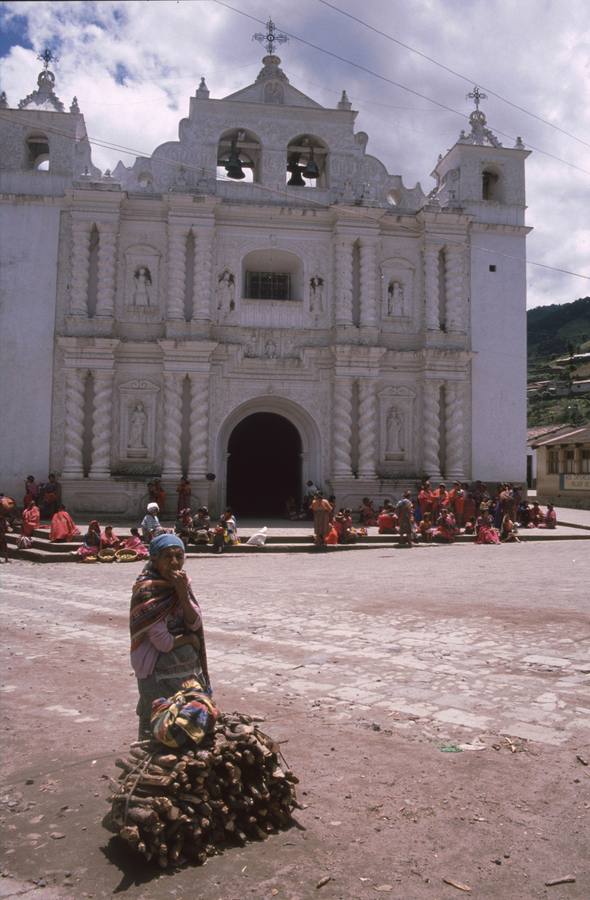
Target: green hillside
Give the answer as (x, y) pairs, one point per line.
(558, 339)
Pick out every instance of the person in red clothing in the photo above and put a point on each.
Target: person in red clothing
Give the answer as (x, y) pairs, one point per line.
(387, 519)
(457, 503)
(425, 499)
(62, 526)
(445, 528)
(31, 519)
(108, 539)
(440, 500)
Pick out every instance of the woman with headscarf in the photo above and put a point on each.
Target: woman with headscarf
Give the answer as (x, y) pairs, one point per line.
(167, 638)
(31, 519)
(91, 545)
(150, 522)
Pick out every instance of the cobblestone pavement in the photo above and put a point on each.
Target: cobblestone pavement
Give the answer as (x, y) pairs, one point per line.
(488, 640)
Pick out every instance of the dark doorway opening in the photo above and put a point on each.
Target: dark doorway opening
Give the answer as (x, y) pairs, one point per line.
(264, 465)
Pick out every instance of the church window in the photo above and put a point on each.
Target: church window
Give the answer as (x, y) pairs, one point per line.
(272, 275)
(307, 158)
(492, 268)
(238, 156)
(490, 186)
(268, 286)
(38, 152)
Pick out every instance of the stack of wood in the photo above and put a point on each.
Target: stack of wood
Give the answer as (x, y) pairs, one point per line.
(174, 806)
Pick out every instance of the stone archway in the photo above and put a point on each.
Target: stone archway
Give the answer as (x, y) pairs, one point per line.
(263, 465)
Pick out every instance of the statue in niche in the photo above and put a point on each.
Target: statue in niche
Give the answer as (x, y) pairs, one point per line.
(316, 294)
(226, 284)
(143, 282)
(395, 432)
(395, 298)
(137, 428)
(270, 350)
(251, 349)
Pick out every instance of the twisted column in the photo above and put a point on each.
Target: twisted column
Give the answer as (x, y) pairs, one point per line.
(202, 273)
(177, 235)
(454, 396)
(343, 262)
(172, 425)
(367, 427)
(454, 288)
(431, 429)
(342, 427)
(431, 288)
(101, 424)
(107, 251)
(199, 426)
(80, 264)
(368, 280)
(74, 424)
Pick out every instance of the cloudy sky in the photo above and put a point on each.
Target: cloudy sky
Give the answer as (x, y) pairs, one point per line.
(133, 65)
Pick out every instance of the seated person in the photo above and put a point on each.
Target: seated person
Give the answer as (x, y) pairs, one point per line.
(62, 526)
(470, 525)
(508, 531)
(134, 542)
(425, 528)
(387, 519)
(537, 515)
(550, 517)
(367, 513)
(485, 533)
(150, 522)
(91, 545)
(184, 526)
(108, 539)
(446, 529)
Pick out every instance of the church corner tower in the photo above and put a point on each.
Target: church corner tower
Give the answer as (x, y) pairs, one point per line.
(487, 181)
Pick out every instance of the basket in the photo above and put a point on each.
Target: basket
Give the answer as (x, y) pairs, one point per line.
(107, 555)
(126, 555)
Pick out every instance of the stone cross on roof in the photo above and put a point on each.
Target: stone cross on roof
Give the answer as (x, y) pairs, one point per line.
(271, 38)
(477, 96)
(47, 57)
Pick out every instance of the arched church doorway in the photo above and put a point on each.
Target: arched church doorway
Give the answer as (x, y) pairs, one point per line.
(264, 465)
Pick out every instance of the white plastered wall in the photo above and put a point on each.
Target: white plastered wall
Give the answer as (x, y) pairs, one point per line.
(498, 332)
(28, 269)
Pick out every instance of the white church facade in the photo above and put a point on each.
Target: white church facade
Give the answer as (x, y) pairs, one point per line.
(256, 305)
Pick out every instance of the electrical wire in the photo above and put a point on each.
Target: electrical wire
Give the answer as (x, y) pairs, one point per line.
(435, 62)
(361, 213)
(397, 84)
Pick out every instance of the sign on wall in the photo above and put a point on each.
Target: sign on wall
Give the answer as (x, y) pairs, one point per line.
(576, 482)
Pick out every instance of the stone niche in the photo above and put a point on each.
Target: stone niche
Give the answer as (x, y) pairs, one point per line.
(141, 284)
(396, 430)
(137, 421)
(397, 290)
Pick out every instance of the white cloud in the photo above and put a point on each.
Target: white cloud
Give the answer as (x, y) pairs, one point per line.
(529, 52)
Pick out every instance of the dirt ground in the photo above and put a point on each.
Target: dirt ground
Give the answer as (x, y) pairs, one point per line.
(407, 689)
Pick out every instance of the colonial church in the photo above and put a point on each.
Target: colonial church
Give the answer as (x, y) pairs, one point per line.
(255, 305)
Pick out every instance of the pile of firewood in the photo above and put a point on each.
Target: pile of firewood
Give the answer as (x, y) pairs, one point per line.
(176, 806)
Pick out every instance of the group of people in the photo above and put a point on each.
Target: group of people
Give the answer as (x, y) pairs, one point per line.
(197, 529)
(435, 515)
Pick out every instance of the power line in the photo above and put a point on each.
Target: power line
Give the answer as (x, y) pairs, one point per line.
(470, 81)
(397, 84)
(361, 213)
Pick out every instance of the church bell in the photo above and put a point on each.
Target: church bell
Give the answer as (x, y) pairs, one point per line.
(233, 166)
(311, 169)
(295, 169)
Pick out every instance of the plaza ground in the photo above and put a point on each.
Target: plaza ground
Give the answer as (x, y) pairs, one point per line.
(433, 702)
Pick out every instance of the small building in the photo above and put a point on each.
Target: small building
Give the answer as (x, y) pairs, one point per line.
(563, 468)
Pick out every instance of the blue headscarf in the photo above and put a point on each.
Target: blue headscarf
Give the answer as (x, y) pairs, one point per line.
(162, 541)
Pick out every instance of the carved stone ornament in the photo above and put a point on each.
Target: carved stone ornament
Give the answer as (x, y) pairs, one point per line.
(397, 290)
(137, 420)
(396, 427)
(142, 264)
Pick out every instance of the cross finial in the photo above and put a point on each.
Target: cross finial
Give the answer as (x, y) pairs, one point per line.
(271, 38)
(47, 57)
(477, 96)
